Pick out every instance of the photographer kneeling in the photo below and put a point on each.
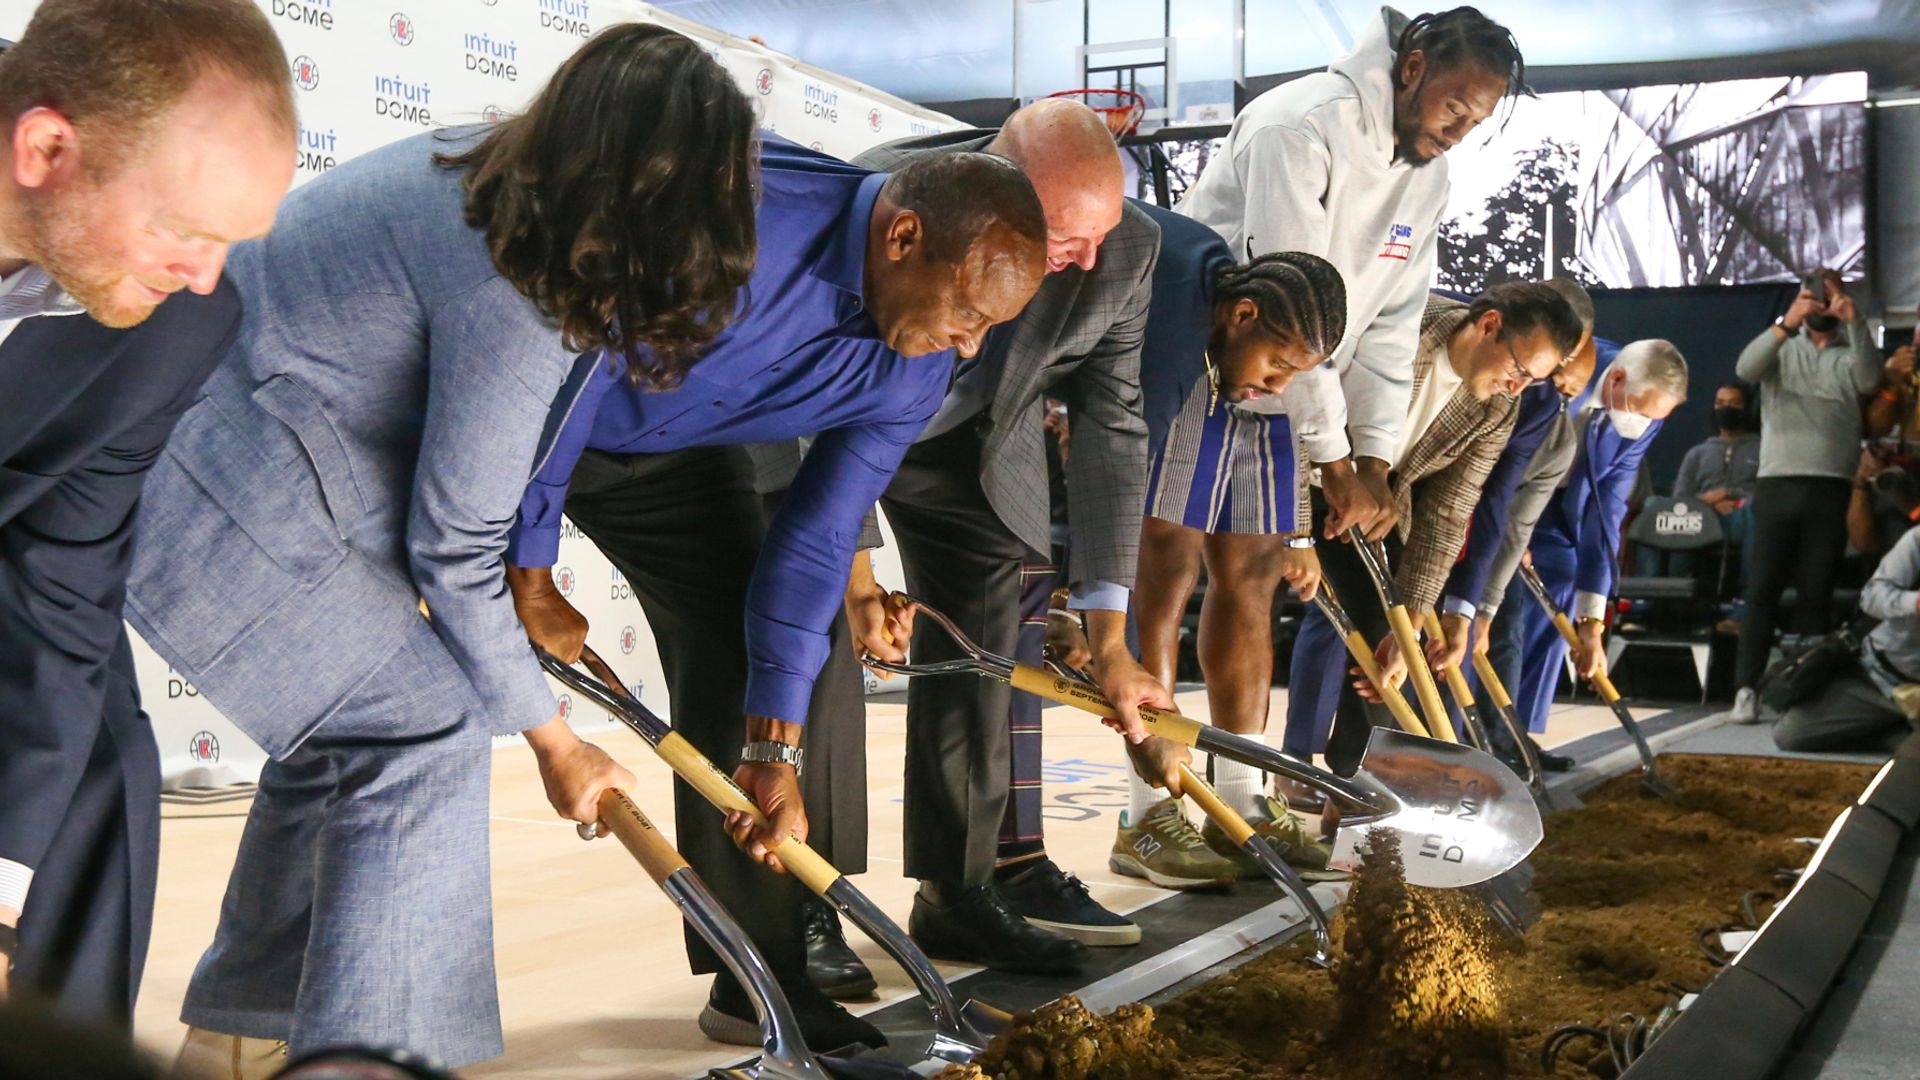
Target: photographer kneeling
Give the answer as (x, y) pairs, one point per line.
(1869, 701)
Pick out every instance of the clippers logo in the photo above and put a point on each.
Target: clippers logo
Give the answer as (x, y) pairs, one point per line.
(315, 13)
(823, 102)
(1399, 243)
(317, 151)
(487, 56)
(493, 114)
(628, 639)
(815, 145)
(1679, 521)
(763, 82)
(401, 27)
(306, 73)
(873, 119)
(566, 707)
(402, 99)
(564, 580)
(565, 17)
(203, 747)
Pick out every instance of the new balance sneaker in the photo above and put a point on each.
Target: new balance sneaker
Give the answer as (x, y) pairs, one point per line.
(1167, 850)
(1746, 706)
(1286, 832)
(1052, 899)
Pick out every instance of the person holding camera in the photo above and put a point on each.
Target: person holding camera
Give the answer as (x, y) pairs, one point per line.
(1885, 502)
(1813, 365)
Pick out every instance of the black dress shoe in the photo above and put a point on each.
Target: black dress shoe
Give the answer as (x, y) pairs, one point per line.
(974, 925)
(832, 967)
(824, 1026)
(1551, 761)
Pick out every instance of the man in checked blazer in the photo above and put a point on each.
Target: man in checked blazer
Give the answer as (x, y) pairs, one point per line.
(1472, 364)
(970, 504)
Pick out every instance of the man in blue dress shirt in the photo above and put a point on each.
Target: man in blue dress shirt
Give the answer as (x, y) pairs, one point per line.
(861, 276)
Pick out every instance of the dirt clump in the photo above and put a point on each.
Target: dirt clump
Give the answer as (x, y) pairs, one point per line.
(1062, 1040)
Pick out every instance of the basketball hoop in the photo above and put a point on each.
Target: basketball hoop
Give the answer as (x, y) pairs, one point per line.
(1121, 109)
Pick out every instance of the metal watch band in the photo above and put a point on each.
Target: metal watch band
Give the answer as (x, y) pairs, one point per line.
(1298, 541)
(769, 752)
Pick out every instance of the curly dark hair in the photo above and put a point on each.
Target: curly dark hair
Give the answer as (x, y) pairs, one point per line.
(1301, 298)
(1464, 36)
(622, 201)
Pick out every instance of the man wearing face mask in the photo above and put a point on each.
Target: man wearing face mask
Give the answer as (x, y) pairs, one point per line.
(1576, 544)
(1721, 471)
(1813, 366)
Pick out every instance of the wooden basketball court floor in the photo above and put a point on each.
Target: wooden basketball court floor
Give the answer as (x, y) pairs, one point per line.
(592, 975)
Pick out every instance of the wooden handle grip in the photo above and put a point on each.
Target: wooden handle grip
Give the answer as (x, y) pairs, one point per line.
(1167, 725)
(1209, 800)
(1439, 724)
(638, 835)
(1456, 679)
(1490, 679)
(1403, 713)
(691, 765)
(1600, 682)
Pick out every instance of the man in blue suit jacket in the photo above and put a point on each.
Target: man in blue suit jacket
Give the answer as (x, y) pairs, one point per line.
(90, 402)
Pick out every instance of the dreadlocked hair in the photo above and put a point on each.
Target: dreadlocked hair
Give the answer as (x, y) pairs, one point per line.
(1465, 36)
(1301, 297)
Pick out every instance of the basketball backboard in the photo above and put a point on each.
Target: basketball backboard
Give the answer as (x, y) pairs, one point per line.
(1184, 58)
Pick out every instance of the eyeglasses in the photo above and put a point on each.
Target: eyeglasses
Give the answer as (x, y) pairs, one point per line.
(1518, 372)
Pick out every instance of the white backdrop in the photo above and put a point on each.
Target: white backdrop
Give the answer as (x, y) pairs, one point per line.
(365, 75)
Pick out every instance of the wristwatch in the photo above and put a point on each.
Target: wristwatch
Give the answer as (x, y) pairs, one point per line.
(1298, 541)
(771, 752)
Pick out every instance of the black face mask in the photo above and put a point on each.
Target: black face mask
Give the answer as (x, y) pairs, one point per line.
(1823, 324)
(1729, 418)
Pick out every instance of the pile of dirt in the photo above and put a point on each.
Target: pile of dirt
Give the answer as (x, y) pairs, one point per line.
(1422, 992)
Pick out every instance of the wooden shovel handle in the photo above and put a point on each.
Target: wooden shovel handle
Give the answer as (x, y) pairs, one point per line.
(1209, 800)
(1456, 679)
(1490, 679)
(624, 819)
(691, 765)
(1167, 725)
(1439, 724)
(1396, 702)
(1601, 682)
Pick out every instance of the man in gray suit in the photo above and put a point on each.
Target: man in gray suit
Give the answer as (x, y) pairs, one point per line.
(968, 506)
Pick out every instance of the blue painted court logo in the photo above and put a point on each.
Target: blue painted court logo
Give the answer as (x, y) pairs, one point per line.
(1399, 243)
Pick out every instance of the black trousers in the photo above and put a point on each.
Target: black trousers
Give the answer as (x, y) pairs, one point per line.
(685, 528)
(1799, 536)
(1354, 717)
(84, 930)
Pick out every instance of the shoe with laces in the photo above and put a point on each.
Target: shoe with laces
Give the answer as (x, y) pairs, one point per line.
(972, 924)
(1052, 899)
(729, 1016)
(1289, 837)
(1167, 850)
(831, 964)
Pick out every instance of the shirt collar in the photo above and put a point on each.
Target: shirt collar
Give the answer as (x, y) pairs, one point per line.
(844, 263)
(31, 291)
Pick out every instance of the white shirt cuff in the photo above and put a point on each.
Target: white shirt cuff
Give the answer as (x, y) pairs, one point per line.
(1097, 596)
(15, 879)
(1453, 605)
(1588, 605)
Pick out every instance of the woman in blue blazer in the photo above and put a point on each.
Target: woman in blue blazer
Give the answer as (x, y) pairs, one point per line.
(412, 322)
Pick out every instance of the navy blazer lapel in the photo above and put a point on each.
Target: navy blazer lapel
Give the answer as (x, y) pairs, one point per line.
(47, 362)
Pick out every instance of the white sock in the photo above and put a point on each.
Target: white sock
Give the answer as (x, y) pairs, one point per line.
(1141, 797)
(1240, 786)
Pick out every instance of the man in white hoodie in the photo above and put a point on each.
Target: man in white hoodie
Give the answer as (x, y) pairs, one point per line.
(1346, 164)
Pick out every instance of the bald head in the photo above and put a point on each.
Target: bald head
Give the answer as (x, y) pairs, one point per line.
(1067, 151)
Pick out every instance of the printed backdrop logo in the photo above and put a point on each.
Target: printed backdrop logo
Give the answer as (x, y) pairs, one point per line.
(823, 102)
(401, 27)
(498, 58)
(318, 150)
(402, 99)
(763, 82)
(873, 119)
(314, 13)
(565, 17)
(815, 145)
(306, 73)
(563, 580)
(203, 747)
(628, 639)
(493, 114)
(566, 706)
(1399, 243)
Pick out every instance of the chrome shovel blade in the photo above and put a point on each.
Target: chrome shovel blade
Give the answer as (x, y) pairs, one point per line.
(1463, 817)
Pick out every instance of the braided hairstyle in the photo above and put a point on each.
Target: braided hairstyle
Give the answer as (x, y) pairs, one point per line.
(1461, 36)
(1301, 298)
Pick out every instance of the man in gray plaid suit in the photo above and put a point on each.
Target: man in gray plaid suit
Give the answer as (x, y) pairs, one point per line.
(1472, 364)
(970, 504)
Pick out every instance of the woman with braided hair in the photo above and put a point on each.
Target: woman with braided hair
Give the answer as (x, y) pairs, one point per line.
(1226, 485)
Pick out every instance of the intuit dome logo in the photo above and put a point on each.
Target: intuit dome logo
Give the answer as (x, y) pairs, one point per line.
(401, 27)
(823, 102)
(315, 13)
(487, 55)
(306, 73)
(566, 17)
(921, 127)
(402, 99)
(317, 151)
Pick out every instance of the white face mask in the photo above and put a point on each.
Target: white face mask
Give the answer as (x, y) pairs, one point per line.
(1630, 425)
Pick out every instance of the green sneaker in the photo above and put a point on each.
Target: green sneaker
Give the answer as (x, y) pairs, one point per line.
(1167, 850)
(1289, 836)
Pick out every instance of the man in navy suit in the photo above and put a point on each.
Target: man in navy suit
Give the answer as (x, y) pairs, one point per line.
(140, 141)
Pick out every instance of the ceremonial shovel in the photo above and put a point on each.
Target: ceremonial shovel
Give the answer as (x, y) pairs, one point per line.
(1462, 817)
(783, 1054)
(960, 1031)
(1650, 777)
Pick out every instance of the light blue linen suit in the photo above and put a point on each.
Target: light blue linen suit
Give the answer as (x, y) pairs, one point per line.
(363, 446)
